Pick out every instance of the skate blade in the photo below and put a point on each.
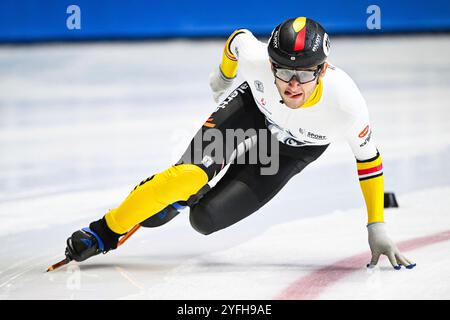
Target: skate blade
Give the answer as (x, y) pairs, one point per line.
(59, 264)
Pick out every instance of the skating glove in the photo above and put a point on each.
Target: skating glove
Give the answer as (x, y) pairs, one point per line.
(380, 243)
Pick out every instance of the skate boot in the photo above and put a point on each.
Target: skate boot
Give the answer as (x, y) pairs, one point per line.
(88, 242)
(83, 244)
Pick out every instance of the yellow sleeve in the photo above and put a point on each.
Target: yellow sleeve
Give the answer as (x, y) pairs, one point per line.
(370, 173)
(229, 63)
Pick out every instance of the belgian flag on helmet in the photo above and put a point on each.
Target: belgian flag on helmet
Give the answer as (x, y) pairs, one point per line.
(299, 43)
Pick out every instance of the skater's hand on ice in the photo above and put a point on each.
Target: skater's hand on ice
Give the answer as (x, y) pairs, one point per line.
(380, 243)
(218, 83)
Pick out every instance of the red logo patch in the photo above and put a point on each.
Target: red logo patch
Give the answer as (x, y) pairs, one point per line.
(363, 133)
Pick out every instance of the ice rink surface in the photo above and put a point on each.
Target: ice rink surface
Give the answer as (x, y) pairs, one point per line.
(81, 124)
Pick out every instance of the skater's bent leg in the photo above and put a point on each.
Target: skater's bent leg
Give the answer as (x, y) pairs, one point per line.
(243, 190)
(151, 196)
(177, 183)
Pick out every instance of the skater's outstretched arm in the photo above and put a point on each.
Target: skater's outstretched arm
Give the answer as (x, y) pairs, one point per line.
(370, 173)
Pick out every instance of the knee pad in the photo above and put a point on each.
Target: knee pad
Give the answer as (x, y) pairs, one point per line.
(224, 205)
